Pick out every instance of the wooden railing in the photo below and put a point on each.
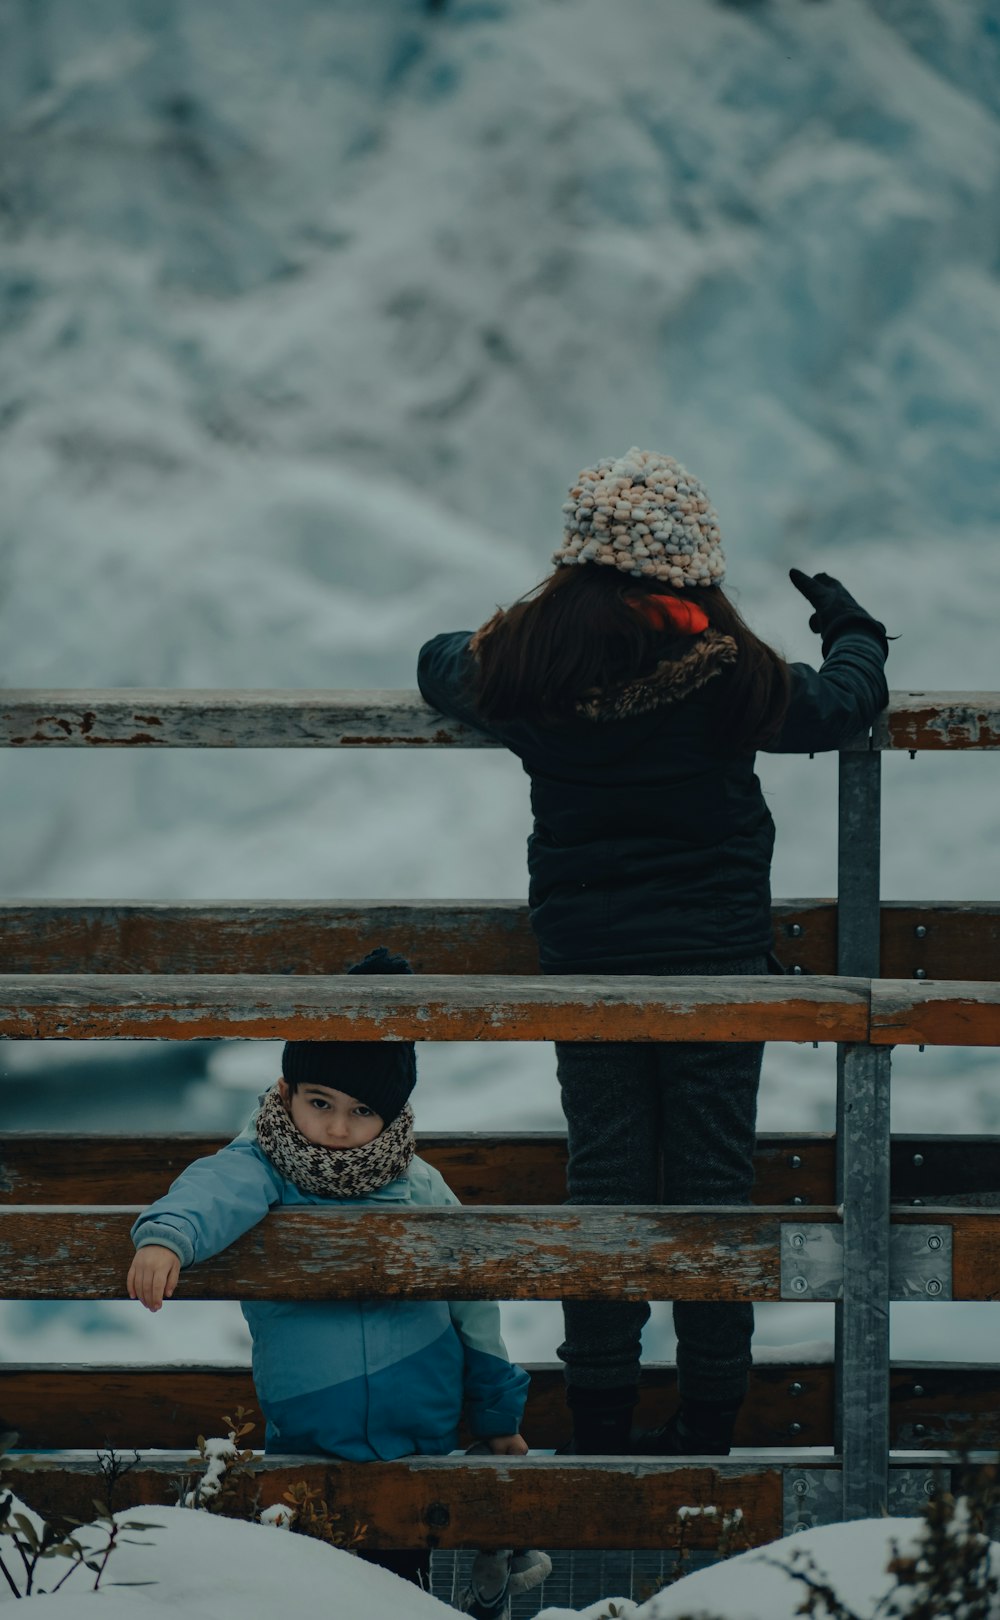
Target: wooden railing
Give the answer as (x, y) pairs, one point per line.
(855, 1218)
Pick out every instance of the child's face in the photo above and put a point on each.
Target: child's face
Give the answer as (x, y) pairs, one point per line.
(330, 1118)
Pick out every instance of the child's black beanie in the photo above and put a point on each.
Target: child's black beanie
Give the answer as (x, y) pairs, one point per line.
(381, 1074)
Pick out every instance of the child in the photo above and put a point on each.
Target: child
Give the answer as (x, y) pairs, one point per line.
(359, 1379)
(635, 697)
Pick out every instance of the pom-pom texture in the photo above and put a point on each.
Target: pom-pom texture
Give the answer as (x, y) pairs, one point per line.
(646, 515)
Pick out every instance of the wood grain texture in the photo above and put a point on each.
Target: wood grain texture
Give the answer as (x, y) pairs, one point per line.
(516, 1167)
(55, 1407)
(435, 1007)
(473, 1501)
(58, 1407)
(482, 1167)
(570, 1253)
(905, 1012)
(959, 940)
(149, 717)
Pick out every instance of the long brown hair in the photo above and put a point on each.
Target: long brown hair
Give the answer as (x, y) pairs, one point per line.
(579, 631)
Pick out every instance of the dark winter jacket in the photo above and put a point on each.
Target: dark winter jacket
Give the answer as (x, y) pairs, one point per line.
(651, 842)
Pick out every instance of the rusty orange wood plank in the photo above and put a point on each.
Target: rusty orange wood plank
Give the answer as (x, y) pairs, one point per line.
(907, 1012)
(435, 1007)
(939, 720)
(473, 1501)
(568, 1253)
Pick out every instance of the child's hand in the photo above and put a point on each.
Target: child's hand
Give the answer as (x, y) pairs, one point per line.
(153, 1275)
(507, 1445)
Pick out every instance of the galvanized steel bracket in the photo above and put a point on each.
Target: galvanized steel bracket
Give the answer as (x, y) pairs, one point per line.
(814, 1496)
(812, 1260)
(920, 1262)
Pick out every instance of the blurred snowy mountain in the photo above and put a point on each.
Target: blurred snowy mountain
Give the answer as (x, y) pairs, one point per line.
(309, 314)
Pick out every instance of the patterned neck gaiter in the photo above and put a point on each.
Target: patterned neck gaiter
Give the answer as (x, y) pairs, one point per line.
(334, 1172)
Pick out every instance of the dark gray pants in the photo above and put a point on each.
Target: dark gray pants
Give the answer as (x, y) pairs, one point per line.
(661, 1124)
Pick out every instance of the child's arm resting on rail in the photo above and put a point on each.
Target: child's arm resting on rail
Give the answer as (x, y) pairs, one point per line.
(212, 1203)
(445, 670)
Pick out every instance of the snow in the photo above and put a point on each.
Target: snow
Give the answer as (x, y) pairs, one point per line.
(756, 1585)
(209, 1568)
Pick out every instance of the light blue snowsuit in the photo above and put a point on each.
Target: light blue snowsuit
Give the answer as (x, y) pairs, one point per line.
(359, 1379)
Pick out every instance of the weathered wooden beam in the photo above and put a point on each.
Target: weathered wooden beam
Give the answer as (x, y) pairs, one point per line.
(432, 1007)
(941, 939)
(472, 1501)
(938, 720)
(54, 1407)
(61, 1408)
(907, 1012)
(488, 1253)
(516, 1167)
(149, 717)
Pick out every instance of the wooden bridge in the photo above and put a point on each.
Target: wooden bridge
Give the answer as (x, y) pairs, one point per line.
(859, 1218)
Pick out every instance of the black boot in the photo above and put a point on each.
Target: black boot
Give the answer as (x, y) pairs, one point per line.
(602, 1421)
(697, 1429)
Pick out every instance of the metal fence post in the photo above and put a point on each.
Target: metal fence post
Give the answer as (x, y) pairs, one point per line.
(862, 1317)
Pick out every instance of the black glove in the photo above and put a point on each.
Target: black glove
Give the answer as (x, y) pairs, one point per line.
(835, 609)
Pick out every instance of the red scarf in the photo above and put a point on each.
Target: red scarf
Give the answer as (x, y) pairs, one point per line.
(670, 613)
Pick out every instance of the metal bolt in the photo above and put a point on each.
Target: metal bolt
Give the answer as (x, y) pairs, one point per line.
(798, 1200)
(795, 931)
(918, 1160)
(799, 1285)
(438, 1515)
(934, 1242)
(800, 1487)
(795, 1161)
(795, 1428)
(920, 931)
(798, 1240)
(920, 974)
(920, 1047)
(795, 1389)
(801, 1524)
(796, 969)
(919, 1430)
(918, 1390)
(916, 1201)
(933, 1287)
(929, 1486)
(913, 753)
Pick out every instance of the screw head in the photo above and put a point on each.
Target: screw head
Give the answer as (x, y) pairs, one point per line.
(795, 1428)
(437, 1515)
(918, 1160)
(934, 1242)
(798, 1240)
(800, 1487)
(934, 1287)
(920, 931)
(796, 969)
(798, 1200)
(795, 1389)
(920, 974)
(916, 1201)
(799, 1285)
(795, 1161)
(918, 1390)
(919, 1430)
(795, 931)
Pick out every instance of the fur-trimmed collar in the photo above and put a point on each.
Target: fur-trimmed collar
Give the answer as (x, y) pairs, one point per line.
(671, 681)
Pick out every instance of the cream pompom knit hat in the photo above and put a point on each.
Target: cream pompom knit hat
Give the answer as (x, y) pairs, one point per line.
(646, 515)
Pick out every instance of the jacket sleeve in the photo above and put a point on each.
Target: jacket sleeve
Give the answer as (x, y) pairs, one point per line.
(444, 675)
(495, 1387)
(212, 1203)
(834, 703)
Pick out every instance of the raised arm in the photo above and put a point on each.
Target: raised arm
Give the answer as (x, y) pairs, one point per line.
(829, 705)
